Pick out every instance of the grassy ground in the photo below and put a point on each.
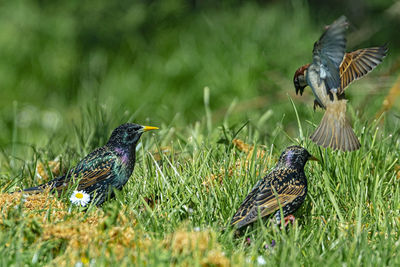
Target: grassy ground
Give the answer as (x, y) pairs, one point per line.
(182, 195)
(227, 81)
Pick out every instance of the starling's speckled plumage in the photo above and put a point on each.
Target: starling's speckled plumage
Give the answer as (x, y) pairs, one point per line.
(105, 168)
(331, 71)
(285, 186)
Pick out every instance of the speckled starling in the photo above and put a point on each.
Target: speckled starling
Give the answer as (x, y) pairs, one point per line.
(331, 71)
(284, 187)
(106, 168)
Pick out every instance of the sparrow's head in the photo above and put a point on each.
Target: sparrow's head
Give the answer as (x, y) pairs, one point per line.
(128, 134)
(295, 157)
(299, 79)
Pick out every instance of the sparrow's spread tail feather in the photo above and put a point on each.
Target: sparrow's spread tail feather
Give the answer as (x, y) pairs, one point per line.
(335, 131)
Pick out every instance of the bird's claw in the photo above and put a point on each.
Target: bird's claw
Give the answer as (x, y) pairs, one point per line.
(299, 90)
(316, 104)
(288, 219)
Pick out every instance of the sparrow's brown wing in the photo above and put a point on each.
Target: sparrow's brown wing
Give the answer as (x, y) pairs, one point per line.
(274, 191)
(359, 63)
(329, 51)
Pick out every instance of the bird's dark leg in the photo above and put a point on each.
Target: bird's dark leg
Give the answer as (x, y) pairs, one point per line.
(341, 96)
(289, 218)
(316, 104)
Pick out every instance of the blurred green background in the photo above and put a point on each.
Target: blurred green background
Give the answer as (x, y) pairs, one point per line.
(149, 62)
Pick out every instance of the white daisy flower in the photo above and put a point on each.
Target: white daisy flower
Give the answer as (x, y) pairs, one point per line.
(80, 198)
(261, 260)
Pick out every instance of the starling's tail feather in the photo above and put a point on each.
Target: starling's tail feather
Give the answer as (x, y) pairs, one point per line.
(53, 184)
(335, 131)
(36, 189)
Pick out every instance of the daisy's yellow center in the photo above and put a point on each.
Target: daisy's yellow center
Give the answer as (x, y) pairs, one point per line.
(84, 260)
(79, 195)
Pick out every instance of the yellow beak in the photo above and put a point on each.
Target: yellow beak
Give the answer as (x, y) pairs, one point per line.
(314, 158)
(149, 128)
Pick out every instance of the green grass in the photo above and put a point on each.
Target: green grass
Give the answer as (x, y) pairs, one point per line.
(351, 215)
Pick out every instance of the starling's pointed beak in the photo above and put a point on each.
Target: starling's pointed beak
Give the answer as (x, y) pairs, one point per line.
(313, 158)
(149, 128)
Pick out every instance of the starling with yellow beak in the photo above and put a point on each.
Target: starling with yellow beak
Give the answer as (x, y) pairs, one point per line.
(104, 169)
